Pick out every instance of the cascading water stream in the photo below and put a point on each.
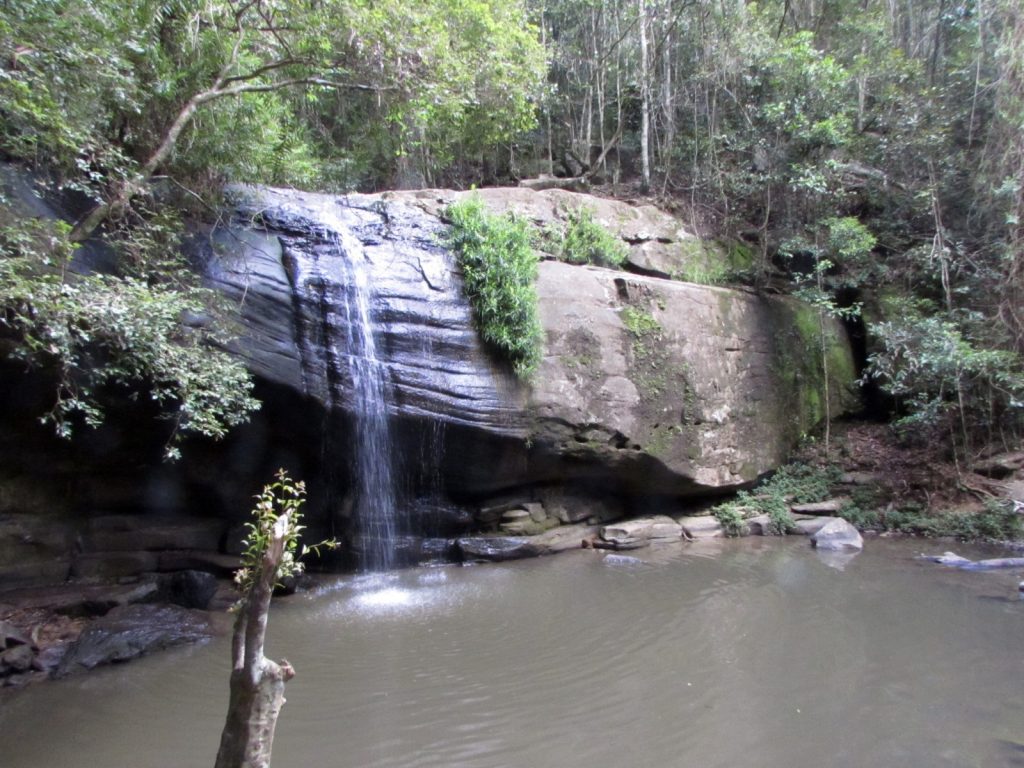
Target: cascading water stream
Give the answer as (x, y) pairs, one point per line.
(375, 499)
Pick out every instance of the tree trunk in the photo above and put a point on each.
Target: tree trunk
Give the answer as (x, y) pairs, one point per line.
(257, 683)
(645, 102)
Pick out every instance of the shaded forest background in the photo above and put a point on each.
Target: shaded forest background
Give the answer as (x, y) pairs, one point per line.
(867, 155)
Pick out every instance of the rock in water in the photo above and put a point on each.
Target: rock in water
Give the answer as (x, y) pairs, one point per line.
(701, 527)
(132, 630)
(633, 534)
(837, 535)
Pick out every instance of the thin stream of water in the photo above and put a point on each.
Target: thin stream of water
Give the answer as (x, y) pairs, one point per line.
(375, 498)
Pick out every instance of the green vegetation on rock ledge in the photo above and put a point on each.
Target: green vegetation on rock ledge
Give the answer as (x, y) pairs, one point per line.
(869, 507)
(793, 483)
(587, 242)
(499, 268)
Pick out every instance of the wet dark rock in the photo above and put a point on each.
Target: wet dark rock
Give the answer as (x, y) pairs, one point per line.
(189, 589)
(156, 535)
(17, 659)
(437, 364)
(11, 636)
(130, 631)
(79, 599)
(198, 560)
(113, 565)
(34, 573)
(496, 548)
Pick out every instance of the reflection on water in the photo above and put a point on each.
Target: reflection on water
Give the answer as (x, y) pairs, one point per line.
(751, 653)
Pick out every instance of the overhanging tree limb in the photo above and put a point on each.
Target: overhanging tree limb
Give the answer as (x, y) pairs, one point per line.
(223, 87)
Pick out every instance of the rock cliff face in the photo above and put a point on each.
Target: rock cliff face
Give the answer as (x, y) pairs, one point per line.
(678, 388)
(648, 386)
(651, 391)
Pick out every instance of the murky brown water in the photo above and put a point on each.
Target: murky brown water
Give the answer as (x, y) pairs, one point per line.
(751, 653)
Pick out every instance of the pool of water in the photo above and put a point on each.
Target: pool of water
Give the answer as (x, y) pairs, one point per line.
(731, 653)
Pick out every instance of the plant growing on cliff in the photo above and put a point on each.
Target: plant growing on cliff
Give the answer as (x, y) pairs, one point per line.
(586, 241)
(498, 269)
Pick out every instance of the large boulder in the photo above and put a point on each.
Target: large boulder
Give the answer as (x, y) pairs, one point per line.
(678, 388)
(647, 385)
(837, 535)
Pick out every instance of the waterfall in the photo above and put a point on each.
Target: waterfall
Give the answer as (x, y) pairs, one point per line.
(359, 370)
(354, 304)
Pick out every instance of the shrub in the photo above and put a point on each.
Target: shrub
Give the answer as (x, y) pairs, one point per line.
(499, 268)
(731, 516)
(791, 483)
(587, 242)
(100, 330)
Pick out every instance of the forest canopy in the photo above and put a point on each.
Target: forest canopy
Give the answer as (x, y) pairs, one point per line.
(870, 154)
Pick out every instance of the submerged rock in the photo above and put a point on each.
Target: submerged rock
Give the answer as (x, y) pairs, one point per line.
(130, 631)
(620, 560)
(837, 535)
(991, 564)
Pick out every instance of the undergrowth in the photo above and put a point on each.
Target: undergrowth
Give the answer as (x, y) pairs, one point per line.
(791, 484)
(499, 268)
(998, 521)
(587, 242)
(583, 240)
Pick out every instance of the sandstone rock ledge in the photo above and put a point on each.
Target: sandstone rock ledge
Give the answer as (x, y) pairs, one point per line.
(648, 385)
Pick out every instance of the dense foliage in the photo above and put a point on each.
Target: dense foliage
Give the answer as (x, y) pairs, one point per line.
(105, 99)
(586, 241)
(102, 334)
(870, 154)
(498, 269)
